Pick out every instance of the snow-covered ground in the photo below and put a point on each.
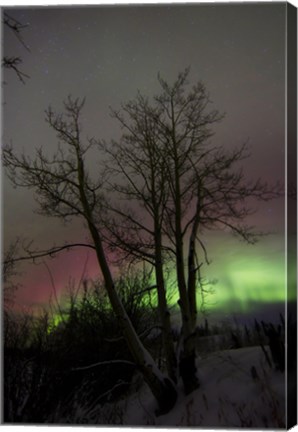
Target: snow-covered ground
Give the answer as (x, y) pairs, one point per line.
(238, 389)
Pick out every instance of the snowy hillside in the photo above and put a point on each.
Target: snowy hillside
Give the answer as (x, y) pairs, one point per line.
(238, 389)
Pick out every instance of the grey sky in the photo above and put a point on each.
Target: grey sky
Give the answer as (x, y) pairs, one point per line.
(106, 54)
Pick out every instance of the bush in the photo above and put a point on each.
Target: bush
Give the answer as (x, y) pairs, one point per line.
(49, 367)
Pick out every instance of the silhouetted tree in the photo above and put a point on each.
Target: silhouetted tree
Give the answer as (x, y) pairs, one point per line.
(141, 174)
(64, 189)
(164, 163)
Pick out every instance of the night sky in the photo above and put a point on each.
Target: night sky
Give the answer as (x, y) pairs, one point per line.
(106, 54)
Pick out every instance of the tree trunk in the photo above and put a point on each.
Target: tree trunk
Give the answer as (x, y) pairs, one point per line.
(162, 387)
(187, 364)
(187, 357)
(192, 271)
(167, 336)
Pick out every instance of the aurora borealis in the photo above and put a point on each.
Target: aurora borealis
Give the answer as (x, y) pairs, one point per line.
(244, 280)
(107, 54)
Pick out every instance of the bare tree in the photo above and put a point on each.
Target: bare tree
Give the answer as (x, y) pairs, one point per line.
(64, 189)
(14, 62)
(137, 229)
(166, 163)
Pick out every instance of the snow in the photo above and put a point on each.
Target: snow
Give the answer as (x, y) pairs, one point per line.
(238, 390)
(229, 395)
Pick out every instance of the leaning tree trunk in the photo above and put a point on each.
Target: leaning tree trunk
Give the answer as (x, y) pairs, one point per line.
(161, 386)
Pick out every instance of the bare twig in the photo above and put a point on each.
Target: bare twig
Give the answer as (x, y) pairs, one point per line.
(105, 363)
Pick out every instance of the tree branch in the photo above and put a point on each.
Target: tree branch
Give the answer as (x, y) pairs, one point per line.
(34, 255)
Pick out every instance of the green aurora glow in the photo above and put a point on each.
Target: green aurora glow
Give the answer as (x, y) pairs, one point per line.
(247, 277)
